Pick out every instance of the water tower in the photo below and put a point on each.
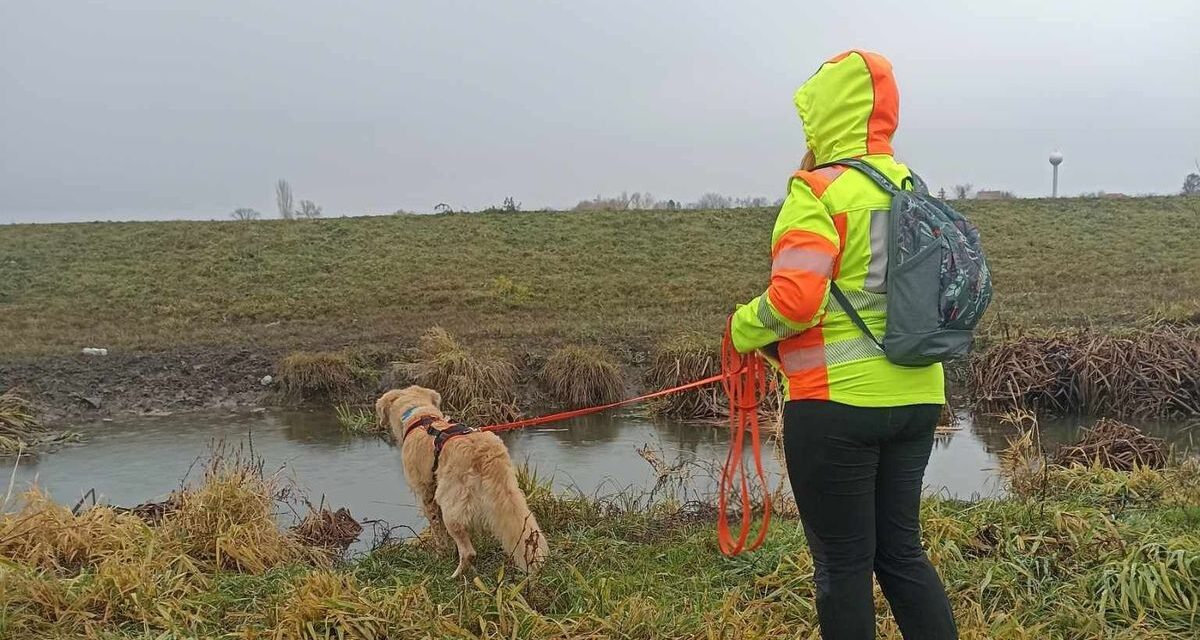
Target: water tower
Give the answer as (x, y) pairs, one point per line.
(1055, 160)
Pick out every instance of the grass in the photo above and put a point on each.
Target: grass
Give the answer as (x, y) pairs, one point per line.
(357, 420)
(475, 388)
(1080, 553)
(583, 376)
(631, 278)
(318, 376)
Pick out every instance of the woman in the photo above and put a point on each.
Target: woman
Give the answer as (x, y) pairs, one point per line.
(857, 429)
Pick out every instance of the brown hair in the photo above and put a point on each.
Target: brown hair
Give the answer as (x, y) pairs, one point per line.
(809, 162)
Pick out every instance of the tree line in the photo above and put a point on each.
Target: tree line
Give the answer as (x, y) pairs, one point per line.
(636, 201)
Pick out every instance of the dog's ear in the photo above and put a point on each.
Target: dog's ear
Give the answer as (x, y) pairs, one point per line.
(381, 408)
(435, 398)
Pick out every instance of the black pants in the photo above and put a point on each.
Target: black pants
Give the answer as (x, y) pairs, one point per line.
(856, 473)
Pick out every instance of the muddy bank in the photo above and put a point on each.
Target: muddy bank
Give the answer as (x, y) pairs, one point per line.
(78, 388)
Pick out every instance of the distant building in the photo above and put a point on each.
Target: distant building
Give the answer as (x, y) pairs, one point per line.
(1113, 195)
(993, 195)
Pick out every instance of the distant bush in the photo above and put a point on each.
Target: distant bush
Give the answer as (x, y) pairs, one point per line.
(245, 214)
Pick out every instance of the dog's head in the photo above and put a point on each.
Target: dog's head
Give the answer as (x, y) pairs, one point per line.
(401, 400)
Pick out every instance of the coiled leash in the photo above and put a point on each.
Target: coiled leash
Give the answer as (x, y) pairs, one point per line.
(746, 385)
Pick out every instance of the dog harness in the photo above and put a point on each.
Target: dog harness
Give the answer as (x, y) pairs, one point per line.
(440, 436)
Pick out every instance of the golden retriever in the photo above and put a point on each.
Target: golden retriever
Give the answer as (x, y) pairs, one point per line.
(475, 483)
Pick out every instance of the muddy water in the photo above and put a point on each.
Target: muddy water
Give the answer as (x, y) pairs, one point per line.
(142, 460)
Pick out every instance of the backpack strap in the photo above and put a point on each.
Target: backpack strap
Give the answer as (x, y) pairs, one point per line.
(884, 182)
(850, 311)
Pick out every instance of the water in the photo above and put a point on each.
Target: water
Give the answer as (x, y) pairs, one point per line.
(142, 460)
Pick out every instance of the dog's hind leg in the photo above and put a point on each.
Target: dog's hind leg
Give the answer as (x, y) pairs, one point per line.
(437, 525)
(462, 538)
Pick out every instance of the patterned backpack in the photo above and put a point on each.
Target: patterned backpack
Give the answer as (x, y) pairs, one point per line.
(938, 282)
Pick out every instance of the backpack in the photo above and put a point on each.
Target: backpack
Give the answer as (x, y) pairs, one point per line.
(938, 282)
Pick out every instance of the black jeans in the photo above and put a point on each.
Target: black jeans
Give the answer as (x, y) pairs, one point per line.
(856, 473)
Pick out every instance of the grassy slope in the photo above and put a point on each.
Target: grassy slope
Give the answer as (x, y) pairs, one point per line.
(629, 275)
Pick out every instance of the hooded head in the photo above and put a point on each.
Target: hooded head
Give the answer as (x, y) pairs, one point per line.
(850, 107)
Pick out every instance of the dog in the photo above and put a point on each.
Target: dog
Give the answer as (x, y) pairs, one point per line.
(462, 478)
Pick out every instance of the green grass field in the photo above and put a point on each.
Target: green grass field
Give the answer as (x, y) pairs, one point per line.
(629, 277)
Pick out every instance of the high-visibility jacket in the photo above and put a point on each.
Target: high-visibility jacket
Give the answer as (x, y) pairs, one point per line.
(833, 225)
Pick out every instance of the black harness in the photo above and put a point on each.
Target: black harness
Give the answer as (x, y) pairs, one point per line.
(440, 436)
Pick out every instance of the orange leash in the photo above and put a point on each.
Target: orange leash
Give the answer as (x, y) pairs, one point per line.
(745, 382)
(575, 413)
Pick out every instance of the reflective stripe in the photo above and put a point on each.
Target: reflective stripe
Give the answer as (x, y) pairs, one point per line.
(767, 317)
(877, 269)
(802, 359)
(861, 348)
(803, 259)
(861, 301)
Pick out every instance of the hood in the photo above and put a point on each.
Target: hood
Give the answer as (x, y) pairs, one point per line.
(850, 107)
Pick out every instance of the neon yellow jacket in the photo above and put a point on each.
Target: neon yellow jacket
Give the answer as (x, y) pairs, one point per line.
(833, 224)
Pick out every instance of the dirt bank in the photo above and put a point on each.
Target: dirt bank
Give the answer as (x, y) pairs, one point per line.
(78, 388)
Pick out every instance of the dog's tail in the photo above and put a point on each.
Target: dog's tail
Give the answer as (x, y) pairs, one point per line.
(515, 526)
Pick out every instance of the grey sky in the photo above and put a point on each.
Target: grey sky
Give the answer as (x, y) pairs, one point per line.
(145, 110)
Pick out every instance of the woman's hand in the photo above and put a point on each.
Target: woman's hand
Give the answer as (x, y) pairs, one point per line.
(770, 353)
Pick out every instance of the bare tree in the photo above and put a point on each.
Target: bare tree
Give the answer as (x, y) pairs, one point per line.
(309, 209)
(442, 207)
(751, 202)
(641, 201)
(963, 191)
(245, 214)
(713, 201)
(283, 199)
(1191, 185)
(510, 205)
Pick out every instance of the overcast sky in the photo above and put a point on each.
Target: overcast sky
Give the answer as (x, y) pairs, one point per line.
(119, 110)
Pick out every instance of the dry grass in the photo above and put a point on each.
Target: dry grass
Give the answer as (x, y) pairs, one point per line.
(582, 376)
(1095, 553)
(323, 527)
(1114, 445)
(66, 573)
(474, 388)
(19, 426)
(682, 360)
(1151, 374)
(319, 375)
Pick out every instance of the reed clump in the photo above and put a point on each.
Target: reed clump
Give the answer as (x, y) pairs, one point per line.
(682, 360)
(324, 527)
(1151, 374)
(582, 376)
(21, 431)
(319, 376)
(1114, 445)
(475, 388)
